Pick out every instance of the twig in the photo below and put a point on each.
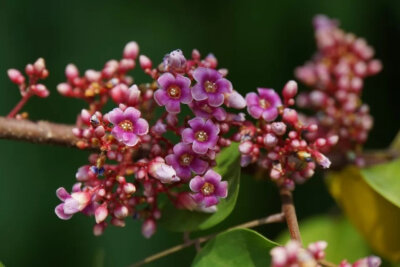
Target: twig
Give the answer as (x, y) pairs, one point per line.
(19, 105)
(270, 219)
(290, 214)
(42, 132)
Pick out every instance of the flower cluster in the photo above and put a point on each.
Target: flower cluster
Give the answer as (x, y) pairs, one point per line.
(336, 76)
(276, 142)
(293, 255)
(96, 87)
(35, 72)
(138, 160)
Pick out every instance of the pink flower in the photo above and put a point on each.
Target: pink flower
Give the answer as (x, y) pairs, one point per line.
(184, 161)
(127, 125)
(211, 86)
(72, 203)
(202, 134)
(208, 188)
(204, 110)
(173, 91)
(264, 105)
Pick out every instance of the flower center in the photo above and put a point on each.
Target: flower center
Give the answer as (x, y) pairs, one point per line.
(264, 103)
(186, 159)
(201, 136)
(210, 87)
(126, 125)
(207, 189)
(206, 108)
(174, 91)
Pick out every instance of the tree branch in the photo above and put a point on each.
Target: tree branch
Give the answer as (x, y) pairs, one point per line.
(41, 132)
(290, 214)
(279, 217)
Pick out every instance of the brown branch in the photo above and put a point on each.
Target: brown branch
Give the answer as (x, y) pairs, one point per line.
(327, 263)
(290, 214)
(41, 132)
(270, 219)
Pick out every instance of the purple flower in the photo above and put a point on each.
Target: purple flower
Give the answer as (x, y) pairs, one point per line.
(209, 188)
(72, 203)
(202, 134)
(127, 125)
(184, 160)
(264, 105)
(204, 110)
(210, 85)
(173, 90)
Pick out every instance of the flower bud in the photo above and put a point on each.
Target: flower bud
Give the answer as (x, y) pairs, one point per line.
(129, 188)
(185, 201)
(322, 160)
(39, 66)
(290, 115)
(175, 61)
(64, 89)
(40, 90)
(289, 90)
(126, 64)
(148, 228)
(235, 100)
(92, 75)
(121, 212)
(71, 72)
(279, 128)
(131, 50)
(101, 213)
(145, 62)
(246, 147)
(163, 172)
(16, 76)
(270, 140)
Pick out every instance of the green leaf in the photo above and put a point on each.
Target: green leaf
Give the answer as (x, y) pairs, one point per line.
(344, 242)
(179, 220)
(238, 247)
(1, 264)
(385, 179)
(395, 145)
(376, 218)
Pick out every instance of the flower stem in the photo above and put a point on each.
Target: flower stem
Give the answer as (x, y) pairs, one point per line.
(290, 214)
(279, 217)
(19, 105)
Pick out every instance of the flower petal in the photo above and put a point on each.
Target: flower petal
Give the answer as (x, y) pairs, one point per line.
(115, 116)
(141, 127)
(196, 183)
(187, 136)
(166, 80)
(173, 106)
(198, 92)
(59, 210)
(215, 100)
(199, 166)
(210, 201)
(200, 148)
(62, 194)
(160, 96)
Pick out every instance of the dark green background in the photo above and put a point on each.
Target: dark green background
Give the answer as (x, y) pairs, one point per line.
(260, 42)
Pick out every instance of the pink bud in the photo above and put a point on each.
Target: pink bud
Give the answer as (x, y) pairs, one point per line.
(39, 66)
(85, 116)
(92, 75)
(195, 54)
(374, 67)
(290, 115)
(148, 228)
(133, 95)
(40, 90)
(275, 174)
(129, 188)
(212, 61)
(270, 140)
(101, 213)
(16, 76)
(64, 89)
(246, 147)
(279, 128)
(322, 160)
(175, 61)
(235, 100)
(289, 90)
(145, 62)
(121, 212)
(99, 131)
(71, 72)
(131, 50)
(98, 229)
(118, 222)
(126, 64)
(163, 172)
(29, 69)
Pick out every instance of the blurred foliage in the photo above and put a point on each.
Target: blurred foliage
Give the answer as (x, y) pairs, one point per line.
(344, 242)
(260, 42)
(373, 212)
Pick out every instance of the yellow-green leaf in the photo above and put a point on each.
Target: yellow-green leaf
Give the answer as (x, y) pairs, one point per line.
(377, 218)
